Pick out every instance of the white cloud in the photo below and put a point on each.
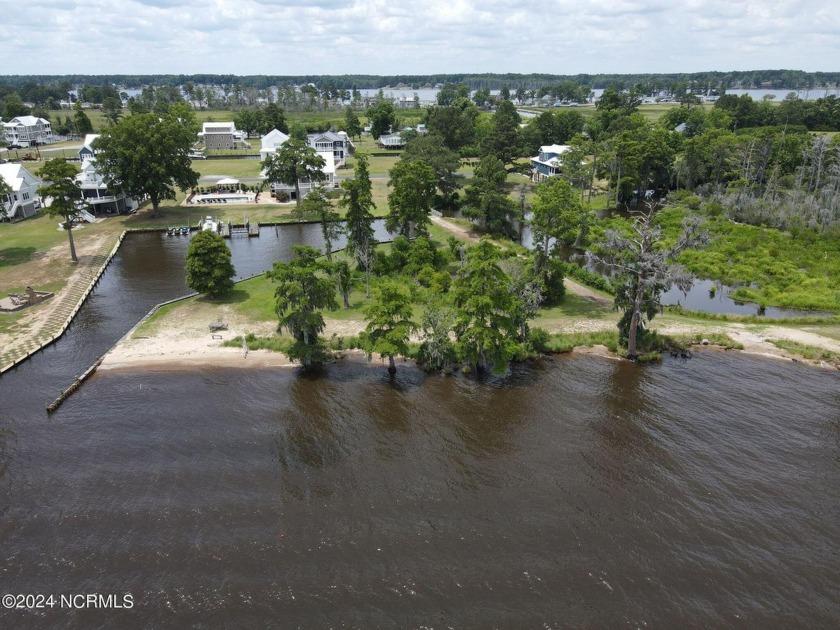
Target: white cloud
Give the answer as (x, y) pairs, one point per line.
(409, 37)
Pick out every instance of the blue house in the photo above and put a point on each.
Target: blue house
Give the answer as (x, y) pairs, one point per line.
(87, 152)
(547, 163)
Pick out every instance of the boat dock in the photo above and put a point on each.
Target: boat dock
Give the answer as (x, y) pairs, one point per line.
(229, 229)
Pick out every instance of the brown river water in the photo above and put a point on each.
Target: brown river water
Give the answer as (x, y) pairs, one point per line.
(576, 492)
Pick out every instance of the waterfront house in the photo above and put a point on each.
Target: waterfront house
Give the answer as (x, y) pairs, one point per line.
(337, 142)
(221, 135)
(87, 152)
(287, 190)
(100, 200)
(547, 163)
(27, 131)
(23, 201)
(270, 142)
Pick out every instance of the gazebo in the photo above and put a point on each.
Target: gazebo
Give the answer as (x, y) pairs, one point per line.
(227, 182)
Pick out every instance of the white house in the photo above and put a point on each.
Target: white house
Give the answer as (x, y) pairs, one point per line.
(221, 135)
(547, 163)
(23, 201)
(391, 141)
(26, 131)
(270, 142)
(95, 192)
(305, 184)
(337, 142)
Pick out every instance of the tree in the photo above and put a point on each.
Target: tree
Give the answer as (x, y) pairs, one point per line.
(317, 204)
(643, 268)
(294, 161)
(343, 280)
(304, 288)
(147, 155)
(503, 140)
(486, 198)
(431, 151)
(5, 198)
(485, 330)
(112, 109)
(352, 125)
(455, 125)
(81, 120)
(558, 215)
(413, 193)
(273, 117)
(436, 349)
(209, 268)
(450, 92)
(389, 323)
(358, 204)
(382, 118)
(66, 195)
(526, 287)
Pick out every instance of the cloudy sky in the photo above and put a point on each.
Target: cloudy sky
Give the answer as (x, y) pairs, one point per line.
(292, 37)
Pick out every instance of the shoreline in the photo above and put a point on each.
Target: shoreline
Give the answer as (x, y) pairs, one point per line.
(188, 346)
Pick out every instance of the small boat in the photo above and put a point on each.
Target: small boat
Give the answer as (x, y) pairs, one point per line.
(171, 231)
(185, 229)
(209, 225)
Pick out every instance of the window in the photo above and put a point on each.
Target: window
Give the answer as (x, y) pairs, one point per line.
(25, 196)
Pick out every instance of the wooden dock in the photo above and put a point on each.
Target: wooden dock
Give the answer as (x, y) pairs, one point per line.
(229, 229)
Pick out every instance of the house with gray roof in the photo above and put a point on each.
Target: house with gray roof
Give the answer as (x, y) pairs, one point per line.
(23, 201)
(27, 131)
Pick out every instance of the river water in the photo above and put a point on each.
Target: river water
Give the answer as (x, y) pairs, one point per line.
(576, 492)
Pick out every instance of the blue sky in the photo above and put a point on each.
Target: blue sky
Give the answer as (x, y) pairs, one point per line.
(292, 37)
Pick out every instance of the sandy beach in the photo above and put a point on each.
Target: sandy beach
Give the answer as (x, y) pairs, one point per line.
(181, 339)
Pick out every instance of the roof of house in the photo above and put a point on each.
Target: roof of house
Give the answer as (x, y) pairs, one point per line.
(272, 137)
(218, 127)
(328, 135)
(15, 176)
(26, 121)
(555, 148)
(89, 138)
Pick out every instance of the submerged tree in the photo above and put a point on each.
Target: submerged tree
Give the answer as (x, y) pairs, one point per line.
(304, 289)
(436, 348)
(209, 268)
(644, 268)
(389, 323)
(66, 195)
(485, 329)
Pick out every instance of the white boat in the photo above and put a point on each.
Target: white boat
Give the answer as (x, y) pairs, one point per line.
(210, 225)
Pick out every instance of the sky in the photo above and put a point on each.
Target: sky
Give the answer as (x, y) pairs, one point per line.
(385, 37)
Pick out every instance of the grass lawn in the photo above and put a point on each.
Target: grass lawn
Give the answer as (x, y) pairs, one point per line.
(237, 168)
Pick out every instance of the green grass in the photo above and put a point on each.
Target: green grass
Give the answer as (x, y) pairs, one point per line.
(812, 353)
(237, 168)
(575, 307)
(566, 342)
(714, 339)
(775, 268)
